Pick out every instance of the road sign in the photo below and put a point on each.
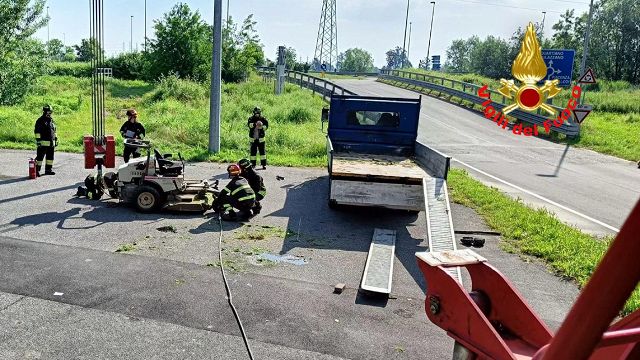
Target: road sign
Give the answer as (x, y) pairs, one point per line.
(559, 65)
(324, 67)
(581, 112)
(588, 77)
(435, 62)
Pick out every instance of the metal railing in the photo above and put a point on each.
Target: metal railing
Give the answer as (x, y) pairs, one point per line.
(469, 92)
(318, 85)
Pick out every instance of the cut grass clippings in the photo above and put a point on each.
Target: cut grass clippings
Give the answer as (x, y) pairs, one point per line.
(536, 232)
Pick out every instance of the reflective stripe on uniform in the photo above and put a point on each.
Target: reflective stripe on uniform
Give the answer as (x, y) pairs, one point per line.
(225, 190)
(45, 143)
(39, 163)
(240, 188)
(248, 197)
(263, 157)
(262, 192)
(49, 162)
(251, 125)
(261, 140)
(37, 135)
(227, 206)
(253, 157)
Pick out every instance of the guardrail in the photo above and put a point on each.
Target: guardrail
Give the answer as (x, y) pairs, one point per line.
(318, 85)
(469, 92)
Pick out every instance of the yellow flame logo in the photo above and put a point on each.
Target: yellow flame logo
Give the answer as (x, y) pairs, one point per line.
(529, 68)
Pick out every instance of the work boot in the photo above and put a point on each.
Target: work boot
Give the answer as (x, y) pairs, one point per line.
(49, 172)
(256, 209)
(229, 216)
(264, 167)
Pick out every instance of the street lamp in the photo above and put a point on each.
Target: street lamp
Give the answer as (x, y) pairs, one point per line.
(131, 41)
(48, 21)
(409, 44)
(404, 42)
(544, 15)
(145, 25)
(433, 10)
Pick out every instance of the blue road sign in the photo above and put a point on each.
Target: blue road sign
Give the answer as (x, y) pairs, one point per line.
(435, 62)
(559, 65)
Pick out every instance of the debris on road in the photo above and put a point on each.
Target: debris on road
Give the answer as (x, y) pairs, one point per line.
(279, 178)
(169, 228)
(339, 288)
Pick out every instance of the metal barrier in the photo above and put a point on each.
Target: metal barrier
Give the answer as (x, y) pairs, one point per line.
(317, 85)
(469, 92)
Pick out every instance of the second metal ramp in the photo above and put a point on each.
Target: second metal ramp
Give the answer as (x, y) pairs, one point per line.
(439, 224)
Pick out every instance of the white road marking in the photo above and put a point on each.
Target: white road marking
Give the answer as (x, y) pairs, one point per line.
(540, 197)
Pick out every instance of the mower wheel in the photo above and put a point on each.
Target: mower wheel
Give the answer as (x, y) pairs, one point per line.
(147, 199)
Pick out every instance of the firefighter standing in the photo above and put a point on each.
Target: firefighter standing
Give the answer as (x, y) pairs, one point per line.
(255, 181)
(131, 129)
(236, 195)
(46, 140)
(257, 126)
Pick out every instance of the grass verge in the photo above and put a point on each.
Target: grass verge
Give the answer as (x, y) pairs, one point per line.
(175, 113)
(536, 232)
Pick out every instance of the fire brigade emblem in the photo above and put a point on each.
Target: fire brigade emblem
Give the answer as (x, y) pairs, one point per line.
(529, 68)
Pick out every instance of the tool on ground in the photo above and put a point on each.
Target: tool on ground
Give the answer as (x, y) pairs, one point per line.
(493, 321)
(472, 241)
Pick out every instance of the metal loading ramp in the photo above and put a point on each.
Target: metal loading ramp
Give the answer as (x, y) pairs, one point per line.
(438, 213)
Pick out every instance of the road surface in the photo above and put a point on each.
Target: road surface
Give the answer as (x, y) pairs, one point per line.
(592, 191)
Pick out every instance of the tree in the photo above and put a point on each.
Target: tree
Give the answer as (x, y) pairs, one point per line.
(182, 45)
(241, 50)
(69, 54)
(356, 60)
(21, 58)
(55, 50)
(459, 54)
(492, 58)
(86, 51)
(395, 57)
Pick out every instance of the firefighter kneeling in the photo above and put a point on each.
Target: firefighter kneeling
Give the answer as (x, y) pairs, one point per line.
(236, 195)
(255, 181)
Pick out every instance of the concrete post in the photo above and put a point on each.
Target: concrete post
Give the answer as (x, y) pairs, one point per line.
(216, 74)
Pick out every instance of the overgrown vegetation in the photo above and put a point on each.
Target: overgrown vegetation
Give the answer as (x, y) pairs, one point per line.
(568, 251)
(175, 113)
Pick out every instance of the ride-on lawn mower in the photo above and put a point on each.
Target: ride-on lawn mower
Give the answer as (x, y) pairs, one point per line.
(155, 182)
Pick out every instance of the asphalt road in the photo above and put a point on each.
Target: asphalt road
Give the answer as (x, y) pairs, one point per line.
(595, 192)
(65, 293)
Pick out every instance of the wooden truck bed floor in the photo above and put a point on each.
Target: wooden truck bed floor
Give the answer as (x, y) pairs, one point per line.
(351, 165)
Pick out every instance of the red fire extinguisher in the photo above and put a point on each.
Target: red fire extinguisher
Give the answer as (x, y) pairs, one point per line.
(32, 168)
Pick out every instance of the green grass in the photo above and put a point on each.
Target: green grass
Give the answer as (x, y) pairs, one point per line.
(536, 232)
(176, 116)
(126, 247)
(612, 128)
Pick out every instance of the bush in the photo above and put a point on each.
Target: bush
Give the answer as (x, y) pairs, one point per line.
(129, 66)
(75, 69)
(172, 87)
(19, 70)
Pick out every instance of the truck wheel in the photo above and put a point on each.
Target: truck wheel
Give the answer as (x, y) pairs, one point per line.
(147, 199)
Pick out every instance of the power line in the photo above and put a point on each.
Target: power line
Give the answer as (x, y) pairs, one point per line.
(508, 6)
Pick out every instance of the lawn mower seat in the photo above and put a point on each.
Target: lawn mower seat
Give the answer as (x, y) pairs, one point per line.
(167, 167)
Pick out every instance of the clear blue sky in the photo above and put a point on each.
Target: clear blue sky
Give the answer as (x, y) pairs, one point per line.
(375, 25)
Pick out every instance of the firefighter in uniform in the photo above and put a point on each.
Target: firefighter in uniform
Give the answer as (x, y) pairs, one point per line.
(236, 195)
(257, 125)
(255, 181)
(131, 129)
(46, 140)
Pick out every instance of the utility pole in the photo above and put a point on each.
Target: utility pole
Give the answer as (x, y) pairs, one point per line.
(216, 73)
(227, 13)
(585, 51)
(544, 15)
(131, 41)
(64, 39)
(404, 42)
(433, 11)
(409, 44)
(48, 21)
(145, 25)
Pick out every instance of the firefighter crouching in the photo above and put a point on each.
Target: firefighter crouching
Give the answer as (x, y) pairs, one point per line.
(46, 140)
(236, 195)
(257, 126)
(255, 181)
(131, 129)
